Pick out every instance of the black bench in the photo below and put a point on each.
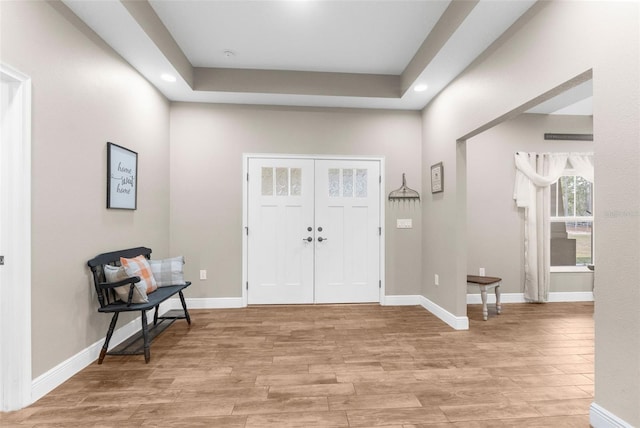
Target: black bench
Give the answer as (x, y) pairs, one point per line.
(110, 303)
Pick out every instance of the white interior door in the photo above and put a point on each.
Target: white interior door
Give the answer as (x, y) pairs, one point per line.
(347, 231)
(314, 232)
(280, 254)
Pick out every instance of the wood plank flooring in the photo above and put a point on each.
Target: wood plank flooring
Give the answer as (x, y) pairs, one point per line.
(341, 366)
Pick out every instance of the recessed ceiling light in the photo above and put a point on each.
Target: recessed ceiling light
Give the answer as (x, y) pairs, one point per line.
(168, 77)
(420, 88)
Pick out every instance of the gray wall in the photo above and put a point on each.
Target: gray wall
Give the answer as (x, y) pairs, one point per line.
(495, 226)
(545, 49)
(83, 96)
(207, 144)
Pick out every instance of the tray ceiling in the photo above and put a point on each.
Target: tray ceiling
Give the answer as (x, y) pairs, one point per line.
(364, 54)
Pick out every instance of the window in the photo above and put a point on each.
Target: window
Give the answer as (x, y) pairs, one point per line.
(288, 181)
(571, 221)
(347, 186)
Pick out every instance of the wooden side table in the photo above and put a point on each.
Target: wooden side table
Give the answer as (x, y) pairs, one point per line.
(486, 283)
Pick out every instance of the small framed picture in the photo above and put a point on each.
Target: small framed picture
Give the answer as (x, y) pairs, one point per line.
(437, 178)
(122, 177)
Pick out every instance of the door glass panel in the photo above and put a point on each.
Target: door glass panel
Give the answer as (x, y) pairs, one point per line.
(267, 181)
(282, 181)
(296, 181)
(334, 182)
(347, 180)
(361, 183)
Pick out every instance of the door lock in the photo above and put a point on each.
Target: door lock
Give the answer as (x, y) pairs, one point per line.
(309, 229)
(320, 229)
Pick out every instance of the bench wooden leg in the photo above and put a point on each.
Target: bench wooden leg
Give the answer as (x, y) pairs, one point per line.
(184, 306)
(483, 295)
(498, 305)
(145, 335)
(107, 339)
(155, 315)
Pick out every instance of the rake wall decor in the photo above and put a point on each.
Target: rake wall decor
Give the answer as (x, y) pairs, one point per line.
(404, 192)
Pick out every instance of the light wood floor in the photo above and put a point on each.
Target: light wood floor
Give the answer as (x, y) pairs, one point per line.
(341, 366)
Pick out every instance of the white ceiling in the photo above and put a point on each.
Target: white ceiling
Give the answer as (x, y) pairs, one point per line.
(301, 53)
(343, 37)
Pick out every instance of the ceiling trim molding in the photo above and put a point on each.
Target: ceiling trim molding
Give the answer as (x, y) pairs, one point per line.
(142, 12)
(448, 23)
(296, 82)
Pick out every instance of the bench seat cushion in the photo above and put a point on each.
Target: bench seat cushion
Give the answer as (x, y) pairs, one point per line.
(155, 298)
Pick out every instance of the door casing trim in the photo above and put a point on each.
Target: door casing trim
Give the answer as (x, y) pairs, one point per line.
(245, 210)
(15, 298)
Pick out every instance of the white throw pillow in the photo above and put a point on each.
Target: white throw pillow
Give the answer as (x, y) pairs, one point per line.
(117, 273)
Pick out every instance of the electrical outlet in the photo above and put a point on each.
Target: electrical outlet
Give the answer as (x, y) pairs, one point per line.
(436, 279)
(203, 274)
(482, 272)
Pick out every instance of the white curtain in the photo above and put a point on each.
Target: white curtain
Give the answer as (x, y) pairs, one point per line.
(582, 164)
(534, 174)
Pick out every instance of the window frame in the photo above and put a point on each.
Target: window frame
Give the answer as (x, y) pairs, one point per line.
(564, 219)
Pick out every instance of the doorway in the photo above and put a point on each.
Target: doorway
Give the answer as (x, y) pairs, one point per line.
(314, 230)
(15, 239)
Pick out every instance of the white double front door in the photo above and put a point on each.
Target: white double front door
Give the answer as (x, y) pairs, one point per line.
(314, 231)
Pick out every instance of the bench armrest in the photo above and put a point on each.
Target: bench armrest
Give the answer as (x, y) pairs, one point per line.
(132, 281)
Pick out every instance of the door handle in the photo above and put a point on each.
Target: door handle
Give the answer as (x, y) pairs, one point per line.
(320, 239)
(309, 239)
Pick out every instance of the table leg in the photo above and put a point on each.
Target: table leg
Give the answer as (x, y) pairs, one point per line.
(483, 294)
(498, 305)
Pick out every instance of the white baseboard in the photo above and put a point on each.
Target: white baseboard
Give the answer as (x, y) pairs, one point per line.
(602, 418)
(408, 300)
(458, 323)
(554, 297)
(571, 296)
(475, 299)
(210, 303)
(55, 377)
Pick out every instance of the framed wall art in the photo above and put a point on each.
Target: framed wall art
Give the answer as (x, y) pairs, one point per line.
(437, 178)
(122, 177)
